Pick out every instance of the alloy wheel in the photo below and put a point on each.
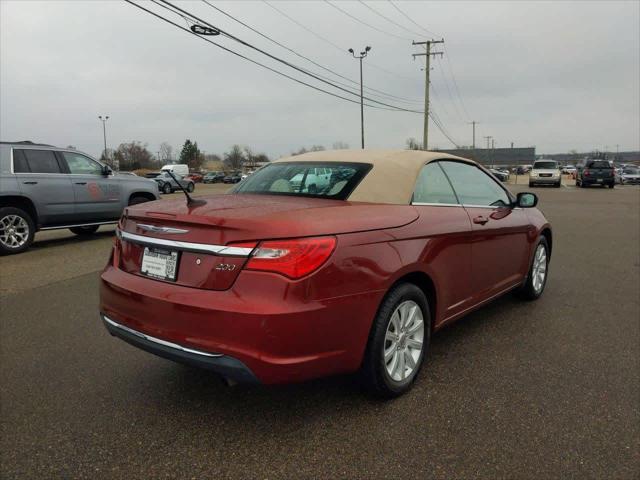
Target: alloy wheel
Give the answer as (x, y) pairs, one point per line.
(403, 341)
(539, 272)
(14, 231)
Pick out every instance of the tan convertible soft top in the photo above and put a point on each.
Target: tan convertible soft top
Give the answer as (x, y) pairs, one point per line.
(393, 176)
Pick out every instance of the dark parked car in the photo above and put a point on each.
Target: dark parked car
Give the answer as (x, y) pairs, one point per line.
(166, 184)
(234, 177)
(500, 174)
(213, 177)
(275, 283)
(45, 188)
(595, 172)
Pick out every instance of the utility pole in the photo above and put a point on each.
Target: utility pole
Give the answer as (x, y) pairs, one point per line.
(428, 54)
(474, 133)
(360, 57)
(104, 132)
(488, 137)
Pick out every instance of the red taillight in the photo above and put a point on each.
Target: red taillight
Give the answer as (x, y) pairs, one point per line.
(291, 258)
(586, 172)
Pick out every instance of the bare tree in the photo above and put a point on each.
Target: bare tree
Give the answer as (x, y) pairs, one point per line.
(340, 145)
(234, 158)
(412, 144)
(166, 152)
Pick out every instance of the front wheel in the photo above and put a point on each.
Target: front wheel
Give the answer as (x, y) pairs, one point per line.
(537, 277)
(17, 230)
(166, 188)
(398, 342)
(191, 187)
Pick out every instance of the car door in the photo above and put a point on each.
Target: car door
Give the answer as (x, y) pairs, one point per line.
(446, 226)
(97, 196)
(500, 232)
(42, 178)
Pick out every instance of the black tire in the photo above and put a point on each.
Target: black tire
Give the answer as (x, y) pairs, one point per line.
(373, 372)
(558, 185)
(22, 217)
(138, 199)
(527, 290)
(313, 189)
(530, 185)
(166, 188)
(191, 187)
(83, 231)
(611, 185)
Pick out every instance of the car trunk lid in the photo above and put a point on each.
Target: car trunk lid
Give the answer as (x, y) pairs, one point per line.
(246, 219)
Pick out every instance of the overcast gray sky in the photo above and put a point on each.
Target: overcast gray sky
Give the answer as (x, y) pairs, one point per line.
(557, 75)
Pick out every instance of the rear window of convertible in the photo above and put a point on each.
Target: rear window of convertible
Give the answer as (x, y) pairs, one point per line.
(335, 180)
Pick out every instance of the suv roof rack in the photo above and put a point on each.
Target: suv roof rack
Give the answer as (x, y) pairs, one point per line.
(27, 142)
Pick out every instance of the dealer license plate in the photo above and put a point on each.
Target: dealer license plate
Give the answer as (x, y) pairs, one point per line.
(160, 264)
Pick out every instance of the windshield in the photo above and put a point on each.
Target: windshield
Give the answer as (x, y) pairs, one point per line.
(600, 164)
(310, 179)
(545, 165)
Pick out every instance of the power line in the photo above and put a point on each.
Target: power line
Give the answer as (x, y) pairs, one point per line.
(446, 84)
(250, 59)
(365, 23)
(255, 62)
(329, 42)
(411, 19)
(280, 60)
(382, 93)
(389, 19)
(455, 84)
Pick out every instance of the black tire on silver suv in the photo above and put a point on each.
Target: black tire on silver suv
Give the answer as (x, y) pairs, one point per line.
(17, 229)
(398, 342)
(166, 188)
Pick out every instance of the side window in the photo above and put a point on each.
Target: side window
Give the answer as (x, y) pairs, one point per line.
(41, 161)
(473, 186)
(19, 162)
(432, 186)
(79, 164)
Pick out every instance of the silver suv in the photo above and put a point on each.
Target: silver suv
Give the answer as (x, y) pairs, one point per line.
(45, 188)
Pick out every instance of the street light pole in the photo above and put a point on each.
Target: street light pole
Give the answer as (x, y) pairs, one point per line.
(360, 57)
(104, 132)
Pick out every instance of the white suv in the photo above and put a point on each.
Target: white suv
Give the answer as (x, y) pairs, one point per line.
(545, 172)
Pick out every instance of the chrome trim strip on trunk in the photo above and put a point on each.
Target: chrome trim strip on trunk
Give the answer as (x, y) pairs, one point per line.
(164, 343)
(222, 250)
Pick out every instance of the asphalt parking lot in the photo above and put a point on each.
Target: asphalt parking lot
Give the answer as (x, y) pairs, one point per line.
(549, 389)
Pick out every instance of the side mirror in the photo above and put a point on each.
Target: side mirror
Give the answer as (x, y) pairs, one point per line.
(526, 200)
(106, 170)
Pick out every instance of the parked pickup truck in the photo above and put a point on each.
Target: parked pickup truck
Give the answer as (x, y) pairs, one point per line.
(45, 188)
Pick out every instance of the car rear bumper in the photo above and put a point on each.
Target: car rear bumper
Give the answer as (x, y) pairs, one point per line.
(225, 365)
(262, 329)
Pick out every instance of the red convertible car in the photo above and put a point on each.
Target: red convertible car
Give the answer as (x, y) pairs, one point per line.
(294, 275)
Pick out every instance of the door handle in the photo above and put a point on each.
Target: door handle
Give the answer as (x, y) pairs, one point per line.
(30, 183)
(480, 220)
(81, 183)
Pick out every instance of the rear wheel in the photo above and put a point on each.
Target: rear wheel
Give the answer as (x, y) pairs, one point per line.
(16, 230)
(537, 277)
(191, 187)
(138, 199)
(86, 230)
(398, 342)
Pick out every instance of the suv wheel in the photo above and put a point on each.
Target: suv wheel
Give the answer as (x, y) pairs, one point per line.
(16, 230)
(166, 188)
(191, 187)
(138, 199)
(87, 230)
(398, 342)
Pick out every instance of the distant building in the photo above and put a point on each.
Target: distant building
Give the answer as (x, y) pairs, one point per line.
(496, 156)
